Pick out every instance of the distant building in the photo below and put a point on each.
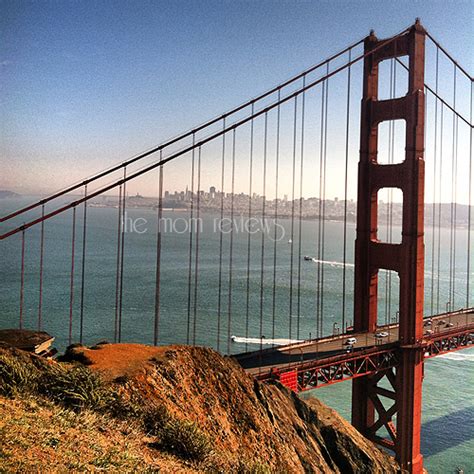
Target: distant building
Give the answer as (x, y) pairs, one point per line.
(212, 192)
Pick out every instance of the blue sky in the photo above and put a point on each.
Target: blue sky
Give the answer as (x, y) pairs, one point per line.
(86, 84)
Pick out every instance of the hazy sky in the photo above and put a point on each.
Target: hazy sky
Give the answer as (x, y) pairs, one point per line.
(87, 84)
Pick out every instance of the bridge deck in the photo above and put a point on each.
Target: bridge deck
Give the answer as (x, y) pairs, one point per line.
(259, 362)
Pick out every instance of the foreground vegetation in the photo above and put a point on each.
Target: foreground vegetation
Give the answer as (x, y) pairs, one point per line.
(76, 396)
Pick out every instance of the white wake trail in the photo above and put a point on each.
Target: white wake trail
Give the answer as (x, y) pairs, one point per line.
(264, 341)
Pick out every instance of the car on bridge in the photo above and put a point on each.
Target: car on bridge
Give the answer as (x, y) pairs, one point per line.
(381, 335)
(350, 341)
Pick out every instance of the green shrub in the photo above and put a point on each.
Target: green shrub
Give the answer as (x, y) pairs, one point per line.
(155, 418)
(185, 440)
(76, 387)
(16, 375)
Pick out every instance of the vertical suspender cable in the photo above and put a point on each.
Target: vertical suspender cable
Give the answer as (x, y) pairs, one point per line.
(231, 245)
(71, 285)
(198, 231)
(122, 249)
(433, 239)
(219, 296)
(453, 179)
(298, 300)
(455, 211)
(40, 300)
(292, 232)
(117, 273)
(320, 213)
(346, 166)
(22, 277)
(190, 256)
(441, 133)
(262, 246)
(275, 236)
(468, 265)
(321, 320)
(83, 270)
(249, 234)
(156, 332)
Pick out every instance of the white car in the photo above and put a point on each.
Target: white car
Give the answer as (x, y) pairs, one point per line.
(351, 341)
(381, 334)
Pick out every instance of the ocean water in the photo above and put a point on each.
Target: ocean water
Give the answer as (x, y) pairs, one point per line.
(448, 406)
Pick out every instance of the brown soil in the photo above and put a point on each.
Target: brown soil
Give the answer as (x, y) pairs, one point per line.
(116, 360)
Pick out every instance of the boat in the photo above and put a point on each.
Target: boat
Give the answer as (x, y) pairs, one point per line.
(307, 257)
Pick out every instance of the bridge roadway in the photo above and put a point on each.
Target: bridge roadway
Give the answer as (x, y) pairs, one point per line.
(262, 361)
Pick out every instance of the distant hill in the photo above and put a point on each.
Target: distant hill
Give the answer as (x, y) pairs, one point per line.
(4, 194)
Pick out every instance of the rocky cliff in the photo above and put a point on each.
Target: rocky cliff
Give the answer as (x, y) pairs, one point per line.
(194, 410)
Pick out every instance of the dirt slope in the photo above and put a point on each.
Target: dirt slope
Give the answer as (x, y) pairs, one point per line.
(250, 424)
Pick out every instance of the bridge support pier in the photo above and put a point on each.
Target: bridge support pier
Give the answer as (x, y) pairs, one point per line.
(407, 258)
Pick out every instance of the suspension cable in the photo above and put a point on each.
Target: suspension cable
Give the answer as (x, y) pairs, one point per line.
(186, 134)
(455, 210)
(83, 270)
(117, 274)
(156, 332)
(346, 167)
(22, 277)
(219, 293)
(231, 245)
(71, 284)
(298, 301)
(262, 246)
(190, 255)
(40, 299)
(198, 231)
(201, 142)
(292, 231)
(439, 204)
(318, 272)
(433, 239)
(324, 202)
(456, 64)
(453, 185)
(122, 251)
(277, 159)
(428, 88)
(249, 234)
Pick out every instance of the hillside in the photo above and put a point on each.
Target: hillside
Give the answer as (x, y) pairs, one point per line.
(174, 409)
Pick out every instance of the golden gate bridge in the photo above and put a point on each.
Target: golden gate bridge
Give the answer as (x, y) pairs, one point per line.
(289, 138)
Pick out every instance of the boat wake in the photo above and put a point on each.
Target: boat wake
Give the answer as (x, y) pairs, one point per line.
(333, 263)
(263, 340)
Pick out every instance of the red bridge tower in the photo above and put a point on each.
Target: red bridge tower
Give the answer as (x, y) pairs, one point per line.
(406, 258)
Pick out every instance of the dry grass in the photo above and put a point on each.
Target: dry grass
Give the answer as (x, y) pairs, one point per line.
(65, 416)
(40, 436)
